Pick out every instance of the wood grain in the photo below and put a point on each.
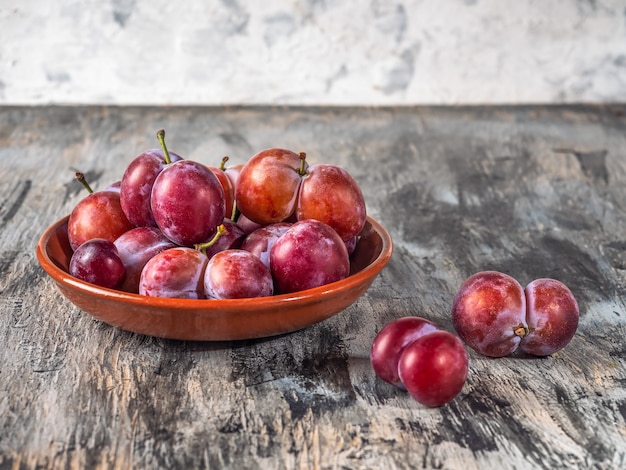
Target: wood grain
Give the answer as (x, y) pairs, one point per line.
(532, 191)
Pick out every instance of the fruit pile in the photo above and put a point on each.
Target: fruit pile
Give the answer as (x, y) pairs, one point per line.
(494, 315)
(173, 227)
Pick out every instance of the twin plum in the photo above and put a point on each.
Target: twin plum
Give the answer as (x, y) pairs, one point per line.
(495, 315)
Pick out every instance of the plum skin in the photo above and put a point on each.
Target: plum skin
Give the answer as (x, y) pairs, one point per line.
(434, 368)
(174, 273)
(237, 274)
(98, 215)
(309, 254)
(187, 202)
(489, 313)
(330, 194)
(391, 341)
(552, 317)
(268, 184)
(97, 261)
(135, 248)
(260, 241)
(137, 182)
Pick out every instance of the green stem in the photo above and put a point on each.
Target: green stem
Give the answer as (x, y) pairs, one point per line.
(234, 212)
(223, 164)
(161, 138)
(81, 178)
(302, 171)
(202, 247)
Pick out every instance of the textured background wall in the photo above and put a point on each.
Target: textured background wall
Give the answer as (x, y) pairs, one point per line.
(312, 51)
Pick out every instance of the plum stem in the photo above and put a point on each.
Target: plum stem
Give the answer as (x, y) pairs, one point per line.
(81, 178)
(166, 153)
(233, 214)
(223, 164)
(202, 247)
(521, 330)
(302, 170)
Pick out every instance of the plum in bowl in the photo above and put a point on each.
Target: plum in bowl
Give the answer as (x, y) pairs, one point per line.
(216, 320)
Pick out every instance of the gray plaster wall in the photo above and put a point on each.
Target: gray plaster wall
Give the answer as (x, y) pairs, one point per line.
(321, 52)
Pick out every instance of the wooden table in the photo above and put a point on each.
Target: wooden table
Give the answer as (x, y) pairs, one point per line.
(531, 191)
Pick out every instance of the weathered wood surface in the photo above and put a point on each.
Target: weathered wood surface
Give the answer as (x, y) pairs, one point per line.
(532, 191)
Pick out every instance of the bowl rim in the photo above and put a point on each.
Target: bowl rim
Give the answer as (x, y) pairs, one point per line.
(61, 276)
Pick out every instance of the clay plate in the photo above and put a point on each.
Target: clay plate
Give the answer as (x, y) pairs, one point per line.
(215, 320)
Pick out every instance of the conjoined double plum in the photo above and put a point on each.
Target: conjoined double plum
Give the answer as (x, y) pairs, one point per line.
(496, 316)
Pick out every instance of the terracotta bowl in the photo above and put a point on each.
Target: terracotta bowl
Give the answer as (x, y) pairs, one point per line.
(215, 320)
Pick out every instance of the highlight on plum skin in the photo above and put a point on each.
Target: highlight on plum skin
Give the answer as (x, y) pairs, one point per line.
(434, 368)
(391, 340)
(176, 273)
(237, 274)
(97, 261)
(552, 317)
(103, 208)
(260, 241)
(309, 254)
(187, 202)
(489, 313)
